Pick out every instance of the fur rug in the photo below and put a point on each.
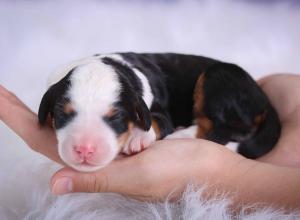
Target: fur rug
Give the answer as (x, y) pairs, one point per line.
(25, 195)
(37, 36)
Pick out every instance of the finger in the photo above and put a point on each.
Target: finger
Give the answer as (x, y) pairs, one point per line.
(123, 176)
(67, 180)
(16, 115)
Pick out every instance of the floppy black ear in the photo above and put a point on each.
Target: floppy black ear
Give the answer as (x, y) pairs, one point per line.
(51, 96)
(143, 114)
(46, 106)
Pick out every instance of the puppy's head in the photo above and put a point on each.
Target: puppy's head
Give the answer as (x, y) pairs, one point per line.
(93, 109)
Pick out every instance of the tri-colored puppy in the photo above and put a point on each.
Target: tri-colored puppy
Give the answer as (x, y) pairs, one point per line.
(107, 104)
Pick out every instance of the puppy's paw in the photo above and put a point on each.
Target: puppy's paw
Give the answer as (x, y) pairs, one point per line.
(138, 141)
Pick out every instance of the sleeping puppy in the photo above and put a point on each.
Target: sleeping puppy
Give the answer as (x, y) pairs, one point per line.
(121, 103)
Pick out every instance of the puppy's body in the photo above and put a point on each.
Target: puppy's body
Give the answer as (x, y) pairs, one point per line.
(123, 102)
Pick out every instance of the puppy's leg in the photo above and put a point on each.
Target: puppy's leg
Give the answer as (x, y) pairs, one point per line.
(264, 139)
(230, 106)
(160, 127)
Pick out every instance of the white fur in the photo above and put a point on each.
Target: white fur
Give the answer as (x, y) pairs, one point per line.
(95, 87)
(147, 92)
(232, 146)
(63, 70)
(138, 140)
(189, 132)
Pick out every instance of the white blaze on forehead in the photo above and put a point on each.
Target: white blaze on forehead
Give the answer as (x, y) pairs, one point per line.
(63, 70)
(94, 87)
(147, 92)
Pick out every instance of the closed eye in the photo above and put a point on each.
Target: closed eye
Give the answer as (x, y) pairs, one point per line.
(115, 117)
(117, 121)
(62, 115)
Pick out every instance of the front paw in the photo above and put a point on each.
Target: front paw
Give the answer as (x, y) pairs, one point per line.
(138, 141)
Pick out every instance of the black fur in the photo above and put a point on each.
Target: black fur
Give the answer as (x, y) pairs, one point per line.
(131, 94)
(264, 139)
(232, 100)
(118, 121)
(172, 78)
(53, 101)
(157, 80)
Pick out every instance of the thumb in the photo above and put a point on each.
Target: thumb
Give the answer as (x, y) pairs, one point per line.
(120, 176)
(68, 180)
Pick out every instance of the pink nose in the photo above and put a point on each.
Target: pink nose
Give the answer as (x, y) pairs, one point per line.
(84, 152)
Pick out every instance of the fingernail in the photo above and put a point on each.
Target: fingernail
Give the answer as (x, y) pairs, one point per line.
(62, 186)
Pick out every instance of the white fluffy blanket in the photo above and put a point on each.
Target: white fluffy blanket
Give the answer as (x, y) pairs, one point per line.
(36, 36)
(25, 195)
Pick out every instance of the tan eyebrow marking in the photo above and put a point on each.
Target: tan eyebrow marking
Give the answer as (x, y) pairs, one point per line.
(111, 112)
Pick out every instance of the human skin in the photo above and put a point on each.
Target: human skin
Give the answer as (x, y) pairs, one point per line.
(169, 165)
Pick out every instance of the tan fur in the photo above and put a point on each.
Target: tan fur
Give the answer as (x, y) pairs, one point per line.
(199, 96)
(259, 119)
(111, 112)
(205, 125)
(156, 129)
(68, 108)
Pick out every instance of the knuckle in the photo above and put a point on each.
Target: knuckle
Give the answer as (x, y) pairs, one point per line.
(96, 183)
(92, 184)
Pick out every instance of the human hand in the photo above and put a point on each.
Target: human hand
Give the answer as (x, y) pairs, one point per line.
(16, 115)
(169, 164)
(164, 168)
(283, 91)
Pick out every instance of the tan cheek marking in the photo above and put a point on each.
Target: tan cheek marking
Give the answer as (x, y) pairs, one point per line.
(156, 129)
(123, 137)
(205, 126)
(68, 108)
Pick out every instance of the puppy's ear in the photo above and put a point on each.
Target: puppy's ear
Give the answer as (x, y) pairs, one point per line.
(51, 96)
(143, 119)
(46, 106)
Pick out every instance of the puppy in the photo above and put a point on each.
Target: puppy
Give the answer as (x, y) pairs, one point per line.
(107, 104)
